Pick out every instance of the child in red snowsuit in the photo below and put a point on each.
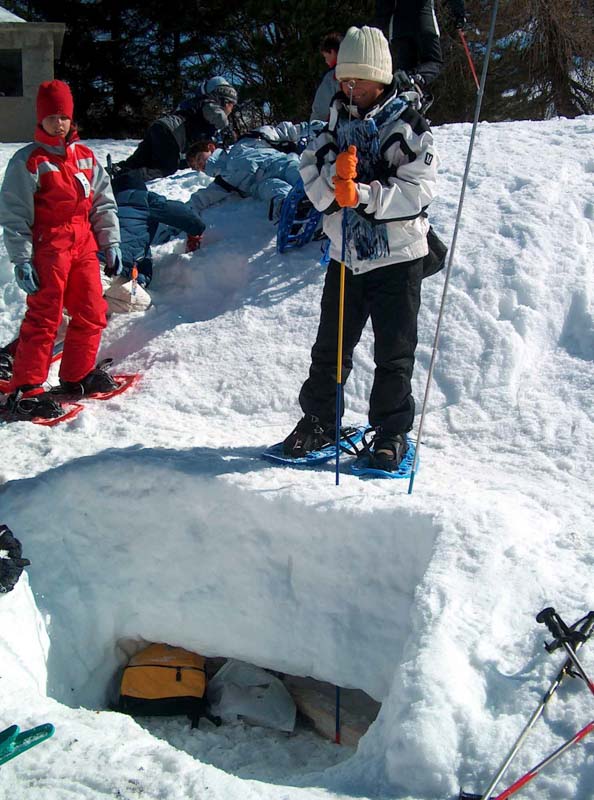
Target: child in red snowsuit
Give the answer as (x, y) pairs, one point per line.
(57, 209)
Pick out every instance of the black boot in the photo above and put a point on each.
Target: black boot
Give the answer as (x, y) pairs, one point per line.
(31, 402)
(309, 434)
(388, 450)
(6, 364)
(97, 381)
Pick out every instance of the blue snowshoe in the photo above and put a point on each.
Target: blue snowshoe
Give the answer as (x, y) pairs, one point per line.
(389, 457)
(316, 450)
(298, 220)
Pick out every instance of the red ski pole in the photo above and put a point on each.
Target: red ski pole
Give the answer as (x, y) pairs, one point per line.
(469, 57)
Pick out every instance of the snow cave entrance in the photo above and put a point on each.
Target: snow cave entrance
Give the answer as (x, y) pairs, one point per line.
(197, 560)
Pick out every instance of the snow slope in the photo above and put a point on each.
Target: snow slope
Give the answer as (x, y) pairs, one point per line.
(153, 517)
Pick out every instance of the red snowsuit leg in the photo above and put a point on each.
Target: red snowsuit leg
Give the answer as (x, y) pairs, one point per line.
(87, 308)
(66, 262)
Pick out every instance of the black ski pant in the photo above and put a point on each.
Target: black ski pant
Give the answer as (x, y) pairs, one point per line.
(391, 296)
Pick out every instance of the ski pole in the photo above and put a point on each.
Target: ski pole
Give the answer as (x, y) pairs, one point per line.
(477, 112)
(341, 311)
(133, 283)
(469, 57)
(584, 632)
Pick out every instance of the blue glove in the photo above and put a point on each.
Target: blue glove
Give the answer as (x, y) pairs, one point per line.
(114, 263)
(26, 277)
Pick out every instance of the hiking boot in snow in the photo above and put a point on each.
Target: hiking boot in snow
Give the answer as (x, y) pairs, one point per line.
(33, 402)
(6, 363)
(309, 434)
(388, 450)
(97, 381)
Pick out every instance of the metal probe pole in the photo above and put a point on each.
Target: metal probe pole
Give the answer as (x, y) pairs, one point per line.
(477, 112)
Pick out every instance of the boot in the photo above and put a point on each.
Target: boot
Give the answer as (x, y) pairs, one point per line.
(6, 362)
(309, 434)
(388, 450)
(32, 402)
(97, 381)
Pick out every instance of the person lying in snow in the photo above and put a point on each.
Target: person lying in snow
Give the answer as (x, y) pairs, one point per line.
(161, 152)
(263, 164)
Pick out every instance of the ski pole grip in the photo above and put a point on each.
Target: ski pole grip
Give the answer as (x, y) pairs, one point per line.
(548, 616)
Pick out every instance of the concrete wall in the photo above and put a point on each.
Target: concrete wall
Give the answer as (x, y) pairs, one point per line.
(40, 44)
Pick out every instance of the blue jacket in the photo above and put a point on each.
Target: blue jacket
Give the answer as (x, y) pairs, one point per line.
(148, 218)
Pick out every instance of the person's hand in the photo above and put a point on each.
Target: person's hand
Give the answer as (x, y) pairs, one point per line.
(346, 164)
(346, 193)
(193, 243)
(11, 561)
(403, 82)
(26, 277)
(113, 261)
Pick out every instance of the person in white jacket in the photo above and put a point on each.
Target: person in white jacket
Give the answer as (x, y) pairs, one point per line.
(375, 163)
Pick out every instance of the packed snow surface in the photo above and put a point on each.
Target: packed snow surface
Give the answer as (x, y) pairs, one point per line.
(153, 517)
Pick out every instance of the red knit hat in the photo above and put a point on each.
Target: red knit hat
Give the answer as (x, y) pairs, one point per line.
(54, 97)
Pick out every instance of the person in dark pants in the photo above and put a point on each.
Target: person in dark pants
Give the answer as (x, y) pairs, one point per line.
(376, 163)
(161, 151)
(391, 298)
(415, 36)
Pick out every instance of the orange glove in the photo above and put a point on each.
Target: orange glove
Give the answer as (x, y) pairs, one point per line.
(346, 193)
(346, 164)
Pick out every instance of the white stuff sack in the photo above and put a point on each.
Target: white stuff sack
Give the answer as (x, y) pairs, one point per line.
(243, 690)
(123, 298)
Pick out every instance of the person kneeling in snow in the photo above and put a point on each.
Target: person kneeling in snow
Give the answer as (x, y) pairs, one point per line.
(147, 218)
(376, 164)
(263, 164)
(165, 142)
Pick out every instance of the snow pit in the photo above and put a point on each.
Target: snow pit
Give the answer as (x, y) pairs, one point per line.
(165, 546)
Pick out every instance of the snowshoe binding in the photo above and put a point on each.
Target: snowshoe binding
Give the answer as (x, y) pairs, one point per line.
(33, 404)
(99, 384)
(313, 442)
(387, 455)
(98, 381)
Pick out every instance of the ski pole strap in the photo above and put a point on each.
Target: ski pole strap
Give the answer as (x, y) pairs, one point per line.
(561, 632)
(469, 57)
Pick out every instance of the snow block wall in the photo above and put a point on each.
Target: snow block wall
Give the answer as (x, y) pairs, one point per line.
(187, 557)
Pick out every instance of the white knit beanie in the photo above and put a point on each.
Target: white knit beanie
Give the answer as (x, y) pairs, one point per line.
(364, 53)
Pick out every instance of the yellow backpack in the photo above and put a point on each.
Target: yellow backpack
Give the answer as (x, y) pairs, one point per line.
(163, 680)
